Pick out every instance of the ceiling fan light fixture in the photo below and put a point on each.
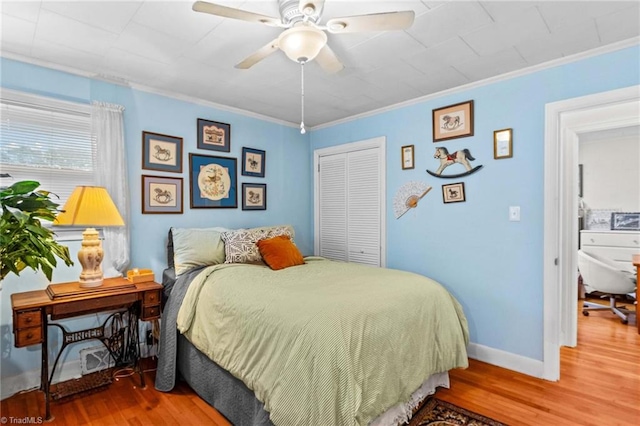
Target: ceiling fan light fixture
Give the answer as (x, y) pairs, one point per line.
(302, 43)
(308, 9)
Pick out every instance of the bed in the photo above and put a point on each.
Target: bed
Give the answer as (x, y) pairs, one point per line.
(319, 343)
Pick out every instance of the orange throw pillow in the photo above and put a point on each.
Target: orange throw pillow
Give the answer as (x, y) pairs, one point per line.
(279, 252)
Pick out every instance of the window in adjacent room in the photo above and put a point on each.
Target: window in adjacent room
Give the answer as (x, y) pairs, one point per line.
(47, 140)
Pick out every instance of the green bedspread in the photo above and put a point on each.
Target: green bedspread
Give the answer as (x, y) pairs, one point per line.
(325, 343)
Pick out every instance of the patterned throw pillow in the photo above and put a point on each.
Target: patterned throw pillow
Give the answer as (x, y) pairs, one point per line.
(240, 246)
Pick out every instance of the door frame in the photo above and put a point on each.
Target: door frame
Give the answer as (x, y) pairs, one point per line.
(377, 142)
(564, 122)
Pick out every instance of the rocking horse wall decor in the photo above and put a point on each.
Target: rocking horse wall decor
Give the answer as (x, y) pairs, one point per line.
(446, 159)
(453, 121)
(161, 152)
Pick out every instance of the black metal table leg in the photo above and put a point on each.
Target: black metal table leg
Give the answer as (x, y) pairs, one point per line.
(44, 373)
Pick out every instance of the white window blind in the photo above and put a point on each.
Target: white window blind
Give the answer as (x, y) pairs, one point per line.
(46, 140)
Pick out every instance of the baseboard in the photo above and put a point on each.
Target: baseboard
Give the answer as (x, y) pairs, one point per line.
(30, 380)
(508, 360)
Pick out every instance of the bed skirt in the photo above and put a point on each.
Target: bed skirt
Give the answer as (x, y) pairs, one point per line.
(238, 404)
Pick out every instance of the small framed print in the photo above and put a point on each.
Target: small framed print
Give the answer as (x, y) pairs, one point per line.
(213, 135)
(503, 144)
(407, 157)
(254, 196)
(253, 162)
(453, 193)
(161, 194)
(453, 121)
(625, 221)
(161, 152)
(213, 182)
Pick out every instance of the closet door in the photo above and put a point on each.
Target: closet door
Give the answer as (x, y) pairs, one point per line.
(332, 199)
(349, 216)
(363, 206)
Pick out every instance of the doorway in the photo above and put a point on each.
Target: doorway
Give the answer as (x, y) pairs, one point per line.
(564, 122)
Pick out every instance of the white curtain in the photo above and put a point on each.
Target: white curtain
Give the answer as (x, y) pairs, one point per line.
(111, 172)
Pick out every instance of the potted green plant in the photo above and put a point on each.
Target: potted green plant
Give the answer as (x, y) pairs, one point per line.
(24, 241)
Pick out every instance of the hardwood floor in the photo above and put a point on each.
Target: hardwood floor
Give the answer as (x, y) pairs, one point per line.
(600, 385)
(599, 382)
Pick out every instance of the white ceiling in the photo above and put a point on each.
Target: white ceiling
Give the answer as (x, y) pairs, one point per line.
(170, 48)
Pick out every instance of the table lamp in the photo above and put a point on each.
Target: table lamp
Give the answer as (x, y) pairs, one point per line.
(90, 206)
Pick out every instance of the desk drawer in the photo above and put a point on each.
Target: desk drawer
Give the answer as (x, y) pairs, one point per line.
(151, 297)
(611, 239)
(150, 312)
(28, 336)
(25, 319)
(80, 307)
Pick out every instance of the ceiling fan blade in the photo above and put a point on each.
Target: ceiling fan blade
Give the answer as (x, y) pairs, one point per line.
(328, 60)
(230, 12)
(259, 55)
(375, 22)
(310, 7)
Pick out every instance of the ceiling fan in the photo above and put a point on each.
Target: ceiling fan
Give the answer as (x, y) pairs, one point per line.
(304, 38)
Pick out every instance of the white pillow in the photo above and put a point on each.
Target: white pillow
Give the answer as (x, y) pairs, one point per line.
(194, 247)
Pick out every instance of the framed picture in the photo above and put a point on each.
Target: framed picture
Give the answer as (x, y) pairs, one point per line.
(453, 193)
(161, 152)
(161, 194)
(599, 218)
(453, 121)
(253, 162)
(254, 196)
(625, 221)
(214, 136)
(407, 157)
(503, 144)
(213, 182)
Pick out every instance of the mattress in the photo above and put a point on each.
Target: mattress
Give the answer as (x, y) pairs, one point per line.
(252, 411)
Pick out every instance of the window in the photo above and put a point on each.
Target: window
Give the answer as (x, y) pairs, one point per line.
(46, 140)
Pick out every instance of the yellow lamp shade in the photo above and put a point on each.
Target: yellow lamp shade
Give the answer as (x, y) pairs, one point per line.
(89, 206)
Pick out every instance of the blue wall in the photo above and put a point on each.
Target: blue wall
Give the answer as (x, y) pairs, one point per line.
(493, 266)
(287, 162)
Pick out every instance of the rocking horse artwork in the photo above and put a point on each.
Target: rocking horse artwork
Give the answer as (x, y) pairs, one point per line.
(446, 159)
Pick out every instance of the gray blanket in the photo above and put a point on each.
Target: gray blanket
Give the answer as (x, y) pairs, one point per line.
(168, 348)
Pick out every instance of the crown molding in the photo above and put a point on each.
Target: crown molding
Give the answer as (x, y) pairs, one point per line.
(143, 88)
(634, 41)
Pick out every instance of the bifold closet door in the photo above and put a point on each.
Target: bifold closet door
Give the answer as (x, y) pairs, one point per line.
(349, 206)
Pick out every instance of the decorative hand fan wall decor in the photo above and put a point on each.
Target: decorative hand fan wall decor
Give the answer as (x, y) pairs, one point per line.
(408, 197)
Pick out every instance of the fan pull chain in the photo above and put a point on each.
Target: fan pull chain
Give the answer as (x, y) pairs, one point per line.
(302, 129)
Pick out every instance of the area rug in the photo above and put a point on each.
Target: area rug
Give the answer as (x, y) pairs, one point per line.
(434, 412)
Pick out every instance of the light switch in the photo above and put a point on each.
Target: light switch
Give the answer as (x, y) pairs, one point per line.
(514, 213)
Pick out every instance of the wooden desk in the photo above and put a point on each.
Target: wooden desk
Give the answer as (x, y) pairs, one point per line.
(31, 311)
(636, 263)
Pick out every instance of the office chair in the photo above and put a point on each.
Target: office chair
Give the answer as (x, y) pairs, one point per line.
(601, 275)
